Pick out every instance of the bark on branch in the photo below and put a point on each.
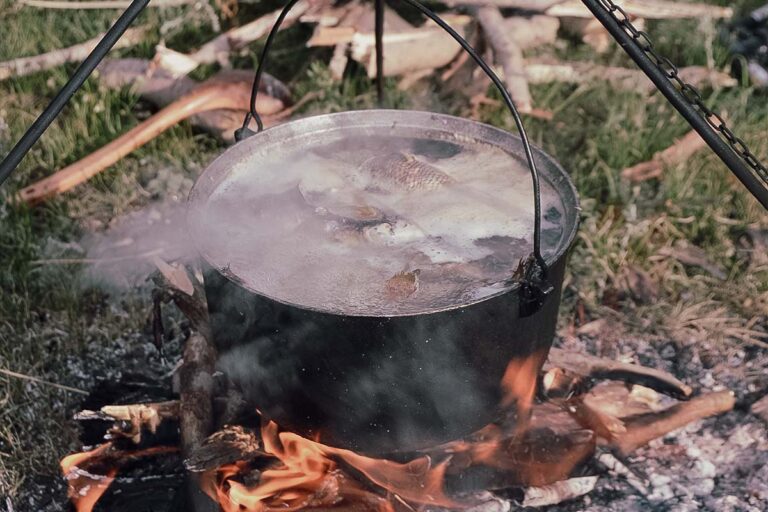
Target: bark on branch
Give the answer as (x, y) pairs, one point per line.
(507, 54)
(23, 66)
(605, 369)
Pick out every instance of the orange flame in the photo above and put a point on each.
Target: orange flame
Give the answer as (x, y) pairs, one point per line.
(83, 471)
(84, 487)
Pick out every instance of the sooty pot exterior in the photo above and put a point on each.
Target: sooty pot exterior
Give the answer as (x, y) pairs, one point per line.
(376, 384)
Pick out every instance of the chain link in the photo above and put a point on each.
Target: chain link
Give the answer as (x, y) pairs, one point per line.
(690, 93)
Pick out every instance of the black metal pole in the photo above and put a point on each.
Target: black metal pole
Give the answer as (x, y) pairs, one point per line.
(729, 157)
(14, 157)
(379, 33)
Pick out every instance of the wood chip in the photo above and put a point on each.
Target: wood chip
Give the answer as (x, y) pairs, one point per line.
(559, 492)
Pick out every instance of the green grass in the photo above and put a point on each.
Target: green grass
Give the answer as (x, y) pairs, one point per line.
(47, 318)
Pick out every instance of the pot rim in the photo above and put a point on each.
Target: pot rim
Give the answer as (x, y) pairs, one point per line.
(549, 169)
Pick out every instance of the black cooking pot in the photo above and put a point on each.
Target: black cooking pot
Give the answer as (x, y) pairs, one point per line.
(378, 384)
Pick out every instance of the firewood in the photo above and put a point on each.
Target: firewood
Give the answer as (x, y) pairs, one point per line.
(644, 428)
(616, 467)
(160, 88)
(559, 492)
(547, 71)
(605, 369)
(219, 49)
(135, 417)
(678, 153)
(602, 424)
(196, 386)
(99, 4)
(209, 96)
(227, 446)
(193, 305)
(649, 9)
(559, 383)
(760, 409)
(407, 49)
(506, 54)
(23, 66)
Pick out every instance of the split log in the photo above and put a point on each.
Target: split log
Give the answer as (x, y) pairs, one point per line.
(212, 95)
(678, 153)
(227, 446)
(605, 369)
(644, 428)
(540, 72)
(219, 49)
(23, 66)
(508, 55)
(649, 9)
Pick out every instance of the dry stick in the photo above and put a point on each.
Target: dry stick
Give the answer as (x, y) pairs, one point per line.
(219, 49)
(161, 88)
(131, 419)
(649, 9)
(606, 369)
(679, 152)
(208, 97)
(108, 4)
(539, 72)
(507, 54)
(647, 427)
(30, 378)
(23, 66)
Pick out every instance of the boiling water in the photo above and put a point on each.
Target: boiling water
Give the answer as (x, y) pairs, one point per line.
(378, 225)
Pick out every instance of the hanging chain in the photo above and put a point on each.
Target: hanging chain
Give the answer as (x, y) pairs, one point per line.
(691, 94)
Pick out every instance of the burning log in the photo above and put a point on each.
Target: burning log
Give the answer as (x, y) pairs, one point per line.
(89, 474)
(228, 446)
(644, 428)
(604, 369)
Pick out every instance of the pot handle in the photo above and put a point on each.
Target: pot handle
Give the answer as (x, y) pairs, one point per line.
(534, 285)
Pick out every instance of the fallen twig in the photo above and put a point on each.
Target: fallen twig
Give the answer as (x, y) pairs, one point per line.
(646, 427)
(539, 72)
(213, 95)
(38, 380)
(559, 492)
(678, 153)
(604, 369)
(219, 49)
(508, 55)
(650, 9)
(617, 467)
(99, 4)
(23, 66)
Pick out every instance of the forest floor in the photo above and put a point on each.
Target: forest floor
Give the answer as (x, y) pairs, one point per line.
(706, 322)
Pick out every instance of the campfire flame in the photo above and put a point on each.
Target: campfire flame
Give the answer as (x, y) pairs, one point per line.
(294, 473)
(85, 488)
(89, 474)
(304, 473)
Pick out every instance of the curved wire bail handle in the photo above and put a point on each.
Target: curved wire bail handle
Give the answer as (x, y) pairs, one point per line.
(534, 286)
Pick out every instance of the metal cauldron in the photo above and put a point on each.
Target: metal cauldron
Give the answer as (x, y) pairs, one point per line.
(379, 383)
